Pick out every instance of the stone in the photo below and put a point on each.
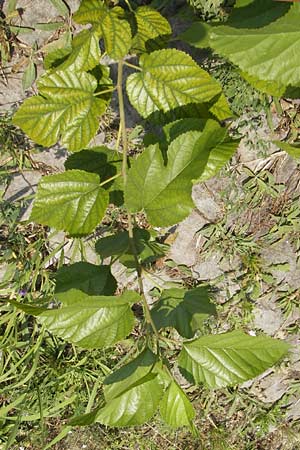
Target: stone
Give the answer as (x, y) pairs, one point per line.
(273, 387)
(208, 269)
(206, 203)
(282, 253)
(22, 185)
(184, 249)
(53, 157)
(267, 316)
(57, 238)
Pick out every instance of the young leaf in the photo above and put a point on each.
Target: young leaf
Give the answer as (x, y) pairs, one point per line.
(65, 109)
(85, 54)
(162, 84)
(86, 277)
(229, 358)
(175, 407)
(182, 309)
(132, 393)
(112, 24)
(267, 53)
(164, 192)
(91, 321)
(72, 201)
(29, 75)
(152, 30)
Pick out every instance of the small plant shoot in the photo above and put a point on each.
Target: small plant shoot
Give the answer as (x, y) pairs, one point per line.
(170, 91)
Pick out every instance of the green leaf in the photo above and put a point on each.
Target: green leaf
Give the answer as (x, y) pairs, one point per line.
(183, 309)
(218, 157)
(256, 14)
(72, 201)
(56, 57)
(197, 35)
(86, 277)
(112, 23)
(175, 407)
(85, 54)
(229, 358)
(267, 87)
(153, 30)
(267, 53)
(292, 149)
(29, 75)
(57, 51)
(132, 393)
(119, 243)
(91, 321)
(164, 192)
(66, 109)
(220, 108)
(100, 160)
(169, 78)
(104, 162)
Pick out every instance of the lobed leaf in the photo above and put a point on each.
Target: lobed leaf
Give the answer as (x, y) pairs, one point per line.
(152, 30)
(72, 201)
(229, 358)
(169, 79)
(164, 191)
(185, 310)
(85, 53)
(111, 23)
(66, 109)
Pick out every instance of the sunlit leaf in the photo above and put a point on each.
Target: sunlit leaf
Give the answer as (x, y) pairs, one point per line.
(65, 110)
(229, 358)
(111, 22)
(175, 407)
(72, 201)
(292, 149)
(169, 78)
(152, 30)
(91, 321)
(267, 53)
(85, 53)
